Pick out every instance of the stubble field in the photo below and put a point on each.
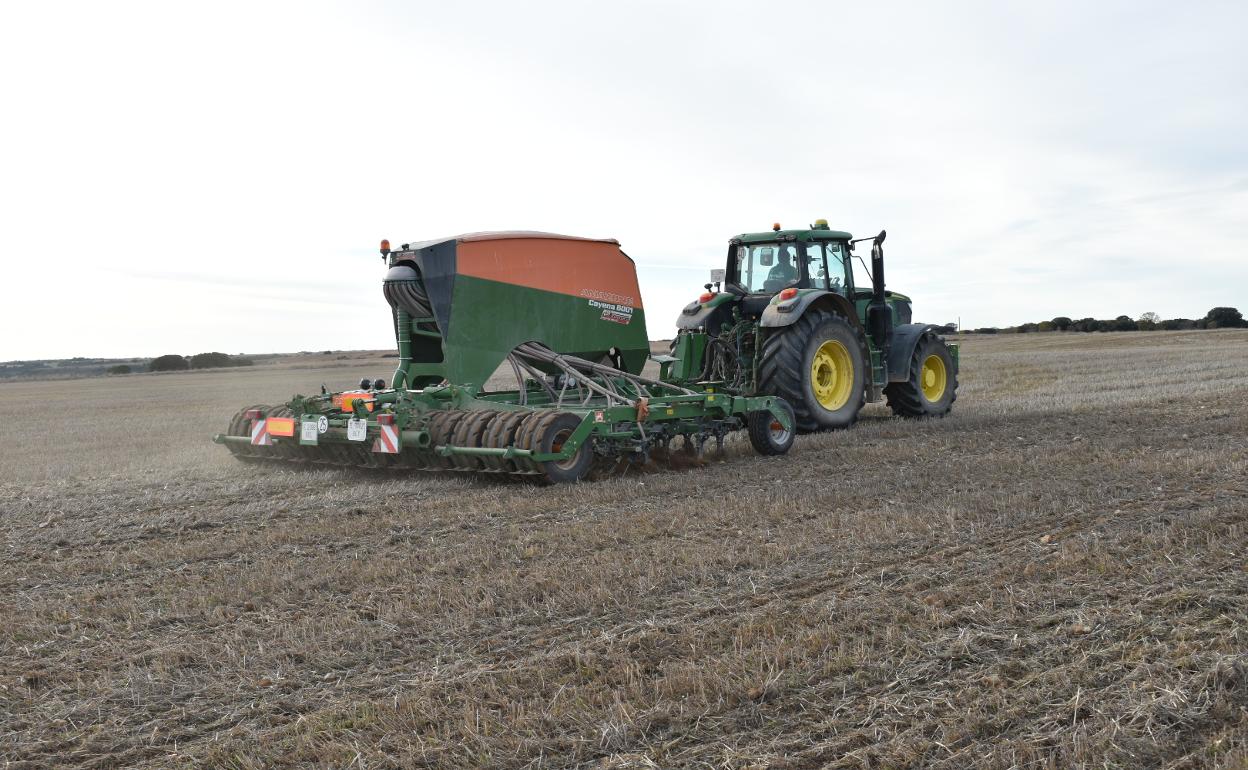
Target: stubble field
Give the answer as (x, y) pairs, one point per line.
(1052, 577)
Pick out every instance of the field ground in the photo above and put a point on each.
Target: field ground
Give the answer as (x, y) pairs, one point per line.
(1053, 577)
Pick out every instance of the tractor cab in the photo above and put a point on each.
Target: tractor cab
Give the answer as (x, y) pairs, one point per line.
(796, 259)
(763, 266)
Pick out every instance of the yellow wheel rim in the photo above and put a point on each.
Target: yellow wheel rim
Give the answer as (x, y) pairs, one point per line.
(934, 378)
(832, 375)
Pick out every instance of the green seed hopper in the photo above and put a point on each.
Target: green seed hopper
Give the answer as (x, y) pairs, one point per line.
(564, 316)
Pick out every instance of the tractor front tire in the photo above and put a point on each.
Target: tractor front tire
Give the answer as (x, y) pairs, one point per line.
(767, 435)
(818, 365)
(932, 386)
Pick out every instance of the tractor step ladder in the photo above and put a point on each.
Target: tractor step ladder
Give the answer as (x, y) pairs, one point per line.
(879, 372)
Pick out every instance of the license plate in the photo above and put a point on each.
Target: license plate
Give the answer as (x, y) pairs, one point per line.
(307, 432)
(357, 430)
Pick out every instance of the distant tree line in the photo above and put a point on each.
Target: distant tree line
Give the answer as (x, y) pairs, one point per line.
(1217, 318)
(176, 363)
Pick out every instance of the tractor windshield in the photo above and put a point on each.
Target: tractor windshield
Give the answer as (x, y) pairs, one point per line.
(769, 267)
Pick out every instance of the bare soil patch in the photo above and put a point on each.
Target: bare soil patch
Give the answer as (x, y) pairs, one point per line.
(1052, 577)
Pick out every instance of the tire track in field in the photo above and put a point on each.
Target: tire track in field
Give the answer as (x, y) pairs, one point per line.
(569, 636)
(666, 611)
(571, 639)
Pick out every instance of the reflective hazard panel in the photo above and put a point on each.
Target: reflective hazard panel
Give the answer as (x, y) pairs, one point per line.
(281, 426)
(346, 401)
(260, 433)
(387, 440)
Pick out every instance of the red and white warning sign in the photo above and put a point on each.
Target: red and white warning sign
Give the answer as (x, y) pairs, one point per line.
(260, 433)
(387, 440)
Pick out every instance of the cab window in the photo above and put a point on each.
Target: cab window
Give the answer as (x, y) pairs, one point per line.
(836, 267)
(814, 263)
(768, 267)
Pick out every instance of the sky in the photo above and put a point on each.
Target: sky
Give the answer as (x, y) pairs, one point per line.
(186, 177)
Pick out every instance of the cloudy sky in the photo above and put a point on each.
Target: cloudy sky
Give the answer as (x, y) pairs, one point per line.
(180, 177)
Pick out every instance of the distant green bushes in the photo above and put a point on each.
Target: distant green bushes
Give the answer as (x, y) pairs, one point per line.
(1216, 318)
(214, 360)
(218, 361)
(169, 363)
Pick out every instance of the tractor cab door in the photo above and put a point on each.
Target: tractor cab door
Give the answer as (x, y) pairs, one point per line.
(826, 262)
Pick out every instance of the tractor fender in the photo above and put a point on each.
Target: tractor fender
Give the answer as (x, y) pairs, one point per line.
(905, 339)
(698, 314)
(819, 300)
(694, 319)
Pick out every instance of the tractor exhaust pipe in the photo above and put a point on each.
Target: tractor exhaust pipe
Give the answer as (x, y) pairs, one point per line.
(877, 266)
(879, 314)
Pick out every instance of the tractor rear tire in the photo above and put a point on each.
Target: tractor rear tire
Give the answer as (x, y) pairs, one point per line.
(767, 435)
(932, 386)
(818, 365)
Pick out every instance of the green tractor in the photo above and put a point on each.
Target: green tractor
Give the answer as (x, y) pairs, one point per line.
(785, 318)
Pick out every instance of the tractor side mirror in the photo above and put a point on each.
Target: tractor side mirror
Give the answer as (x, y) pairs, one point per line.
(767, 257)
(717, 275)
